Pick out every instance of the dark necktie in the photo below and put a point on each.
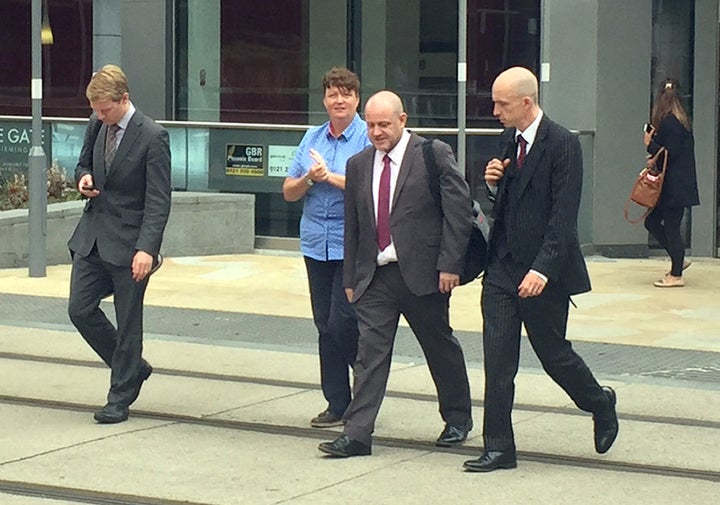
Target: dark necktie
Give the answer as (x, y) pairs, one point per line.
(110, 145)
(521, 154)
(383, 213)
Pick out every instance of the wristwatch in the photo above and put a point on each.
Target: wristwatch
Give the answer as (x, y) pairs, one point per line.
(309, 181)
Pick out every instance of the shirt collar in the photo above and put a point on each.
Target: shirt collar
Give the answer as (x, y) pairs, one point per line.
(123, 123)
(397, 153)
(347, 132)
(531, 131)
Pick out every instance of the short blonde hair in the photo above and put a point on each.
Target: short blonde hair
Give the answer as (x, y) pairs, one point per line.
(108, 83)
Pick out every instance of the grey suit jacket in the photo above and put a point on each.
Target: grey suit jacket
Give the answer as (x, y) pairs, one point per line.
(133, 206)
(427, 241)
(540, 212)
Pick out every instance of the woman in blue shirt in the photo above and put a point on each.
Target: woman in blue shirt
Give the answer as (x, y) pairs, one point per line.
(318, 174)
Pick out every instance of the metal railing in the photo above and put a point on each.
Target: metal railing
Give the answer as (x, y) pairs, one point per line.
(199, 160)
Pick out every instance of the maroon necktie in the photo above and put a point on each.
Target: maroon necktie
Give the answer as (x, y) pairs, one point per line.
(521, 155)
(383, 213)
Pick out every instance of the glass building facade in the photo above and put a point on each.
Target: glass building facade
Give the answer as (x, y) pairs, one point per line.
(229, 74)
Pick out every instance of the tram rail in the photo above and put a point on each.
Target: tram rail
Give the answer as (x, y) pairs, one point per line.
(469, 449)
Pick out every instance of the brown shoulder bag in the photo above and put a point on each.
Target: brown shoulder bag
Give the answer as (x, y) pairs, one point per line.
(648, 186)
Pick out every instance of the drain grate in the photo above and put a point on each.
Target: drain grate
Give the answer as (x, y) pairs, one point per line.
(710, 374)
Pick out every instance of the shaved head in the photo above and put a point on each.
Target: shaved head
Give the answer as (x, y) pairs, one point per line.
(385, 120)
(515, 98)
(520, 81)
(386, 99)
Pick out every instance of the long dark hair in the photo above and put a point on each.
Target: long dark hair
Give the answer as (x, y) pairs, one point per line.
(667, 102)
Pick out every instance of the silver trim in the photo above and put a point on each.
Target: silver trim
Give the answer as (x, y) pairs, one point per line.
(279, 127)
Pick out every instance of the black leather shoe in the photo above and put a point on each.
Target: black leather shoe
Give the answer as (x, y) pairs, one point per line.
(606, 424)
(453, 435)
(146, 370)
(344, 447)
(112, 413)
(492, 460)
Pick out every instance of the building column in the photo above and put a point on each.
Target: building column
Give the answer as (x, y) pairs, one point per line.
(107, 33)
(705, 128)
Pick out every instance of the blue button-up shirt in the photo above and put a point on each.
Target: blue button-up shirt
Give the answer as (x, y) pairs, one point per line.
(323, 220)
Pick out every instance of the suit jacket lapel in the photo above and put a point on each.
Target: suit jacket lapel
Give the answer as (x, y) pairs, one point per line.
(412, 151)
(366, 183)
(508, 149)
(98, 160)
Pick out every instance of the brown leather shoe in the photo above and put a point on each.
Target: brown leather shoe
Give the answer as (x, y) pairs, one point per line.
(326, 419)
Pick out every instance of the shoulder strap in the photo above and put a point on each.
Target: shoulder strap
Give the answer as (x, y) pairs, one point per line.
(432, 170)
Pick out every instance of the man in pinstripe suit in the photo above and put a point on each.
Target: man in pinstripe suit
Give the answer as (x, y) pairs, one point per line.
(535, 265)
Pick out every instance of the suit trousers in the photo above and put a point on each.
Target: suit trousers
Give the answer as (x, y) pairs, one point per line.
(545, 319)
(335, 321)
(378, 311)
(92, 279)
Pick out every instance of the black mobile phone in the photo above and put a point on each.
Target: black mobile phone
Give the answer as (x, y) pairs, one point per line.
(647, 128)
(89, 188)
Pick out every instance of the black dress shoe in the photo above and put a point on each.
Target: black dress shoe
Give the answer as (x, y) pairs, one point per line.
(344, 447)
(453, 435)
(606, 424)
(146, 370)
(492, 460)
(112, 413)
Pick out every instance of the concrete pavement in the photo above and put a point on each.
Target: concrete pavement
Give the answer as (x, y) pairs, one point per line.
(226, 421)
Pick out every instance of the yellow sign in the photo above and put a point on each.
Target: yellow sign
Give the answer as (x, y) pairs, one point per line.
(244, 160)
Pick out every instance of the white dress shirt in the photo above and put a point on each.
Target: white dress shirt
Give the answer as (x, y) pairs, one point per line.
(396, 156)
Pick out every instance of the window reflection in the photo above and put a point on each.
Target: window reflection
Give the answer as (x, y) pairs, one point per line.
(67, 63)
(262, 66)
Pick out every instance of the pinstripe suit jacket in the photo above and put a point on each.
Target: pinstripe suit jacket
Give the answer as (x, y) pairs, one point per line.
(540, 207)
(427, 241)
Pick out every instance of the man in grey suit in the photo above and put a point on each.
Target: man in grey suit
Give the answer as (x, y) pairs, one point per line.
(403, 255)
(124, 172)
(535, 265)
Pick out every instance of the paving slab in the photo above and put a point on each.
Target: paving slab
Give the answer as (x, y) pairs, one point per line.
(437, 478)
(29, 431)
(206, 464)
(624, 307)
(412, 420)
(226, 467)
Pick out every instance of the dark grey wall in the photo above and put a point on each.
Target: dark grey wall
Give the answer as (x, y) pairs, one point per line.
(598, 53)
(623, 102)
(569, 47)
(107, 36)
(705, 126)
(144, 54)
(567, 95)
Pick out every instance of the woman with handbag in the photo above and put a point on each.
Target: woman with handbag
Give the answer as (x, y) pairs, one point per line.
(673, 132)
